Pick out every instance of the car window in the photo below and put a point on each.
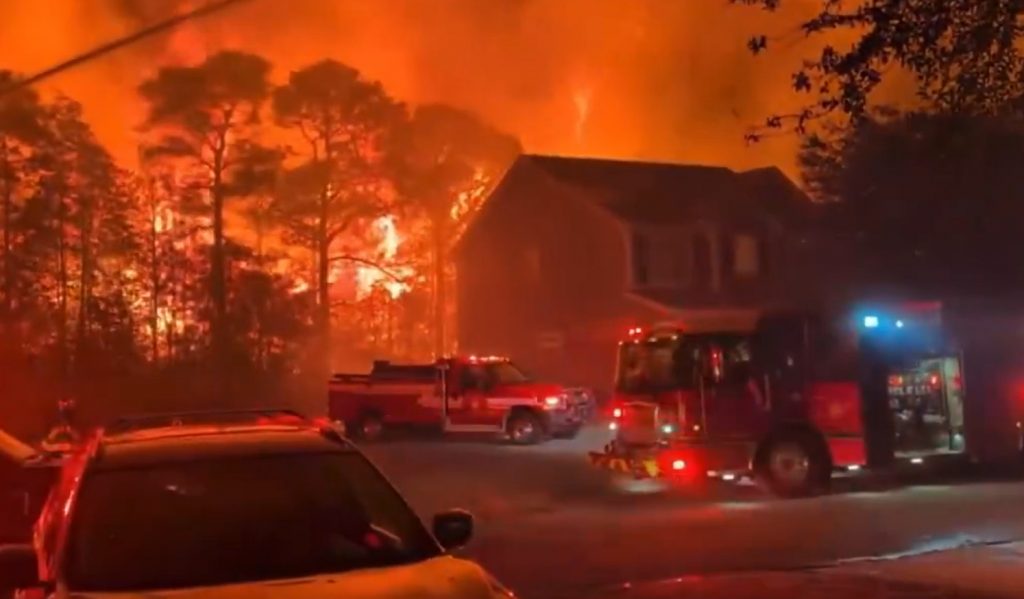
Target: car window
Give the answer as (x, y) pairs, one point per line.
(224, 521)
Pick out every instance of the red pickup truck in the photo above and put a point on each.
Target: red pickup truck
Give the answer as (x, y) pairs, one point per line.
(456, 395)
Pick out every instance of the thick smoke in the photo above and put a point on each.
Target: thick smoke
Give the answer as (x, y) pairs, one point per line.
(653, 79)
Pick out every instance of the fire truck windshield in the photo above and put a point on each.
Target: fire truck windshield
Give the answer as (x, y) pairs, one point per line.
(657, 364)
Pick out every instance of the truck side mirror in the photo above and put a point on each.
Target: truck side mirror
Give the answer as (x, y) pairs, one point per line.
(453, 528)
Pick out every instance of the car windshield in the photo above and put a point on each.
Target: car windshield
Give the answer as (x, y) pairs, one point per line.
(199, 523)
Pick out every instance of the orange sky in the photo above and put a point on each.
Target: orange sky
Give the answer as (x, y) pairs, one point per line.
(659, 79)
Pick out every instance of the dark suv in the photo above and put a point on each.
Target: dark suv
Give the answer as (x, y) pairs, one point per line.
(253, 506)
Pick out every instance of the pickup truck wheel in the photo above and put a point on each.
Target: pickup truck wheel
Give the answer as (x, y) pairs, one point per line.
(524, 428)
(794, 466)
(370, 427)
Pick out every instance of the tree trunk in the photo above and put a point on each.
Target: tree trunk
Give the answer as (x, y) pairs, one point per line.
(62, 290)
(324, 249)
(154, 276)
(84, 278)
(8, 232)
(218, 291)
(440, 287)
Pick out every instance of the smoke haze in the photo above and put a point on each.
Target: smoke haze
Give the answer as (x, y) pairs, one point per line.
(650, 79)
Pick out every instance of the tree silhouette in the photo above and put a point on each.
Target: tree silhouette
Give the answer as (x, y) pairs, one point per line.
(932, 198)
(343, 120)
(201, 114)
(963, 54)
(445, 161)
(20, 128)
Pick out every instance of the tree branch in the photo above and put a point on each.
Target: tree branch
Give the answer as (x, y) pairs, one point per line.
(370, 263)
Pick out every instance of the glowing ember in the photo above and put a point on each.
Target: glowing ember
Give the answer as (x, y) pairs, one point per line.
(369, 277)
(301, 285)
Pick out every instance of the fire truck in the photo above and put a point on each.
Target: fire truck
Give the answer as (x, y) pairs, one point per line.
(482, 395)
(801, 396)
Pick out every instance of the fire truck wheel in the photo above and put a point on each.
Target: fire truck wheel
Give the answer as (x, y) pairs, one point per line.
(524, 428)
(793, 465)
(370, 427)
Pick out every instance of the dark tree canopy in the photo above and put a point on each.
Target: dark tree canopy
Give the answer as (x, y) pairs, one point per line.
(934, 198)
(963, 54)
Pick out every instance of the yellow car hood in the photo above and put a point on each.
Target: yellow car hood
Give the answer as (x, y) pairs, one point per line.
(446, 577)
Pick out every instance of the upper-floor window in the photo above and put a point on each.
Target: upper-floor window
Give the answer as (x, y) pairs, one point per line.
(749, 256)
(746, 256)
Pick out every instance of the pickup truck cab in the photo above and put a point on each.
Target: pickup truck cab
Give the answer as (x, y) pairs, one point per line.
(456, 395)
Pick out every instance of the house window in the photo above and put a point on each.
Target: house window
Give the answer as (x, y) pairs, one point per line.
(746, 256)
(641, 255)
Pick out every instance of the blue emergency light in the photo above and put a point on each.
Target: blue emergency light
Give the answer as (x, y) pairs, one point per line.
(871, 322)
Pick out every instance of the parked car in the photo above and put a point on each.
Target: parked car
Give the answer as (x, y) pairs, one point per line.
(235, 508)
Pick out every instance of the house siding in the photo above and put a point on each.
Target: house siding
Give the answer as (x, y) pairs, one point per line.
(545, 276)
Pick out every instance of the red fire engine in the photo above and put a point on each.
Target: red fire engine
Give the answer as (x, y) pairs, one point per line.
(803, 395)
(456, 395)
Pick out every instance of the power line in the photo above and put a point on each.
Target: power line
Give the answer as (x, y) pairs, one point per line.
(170, 23)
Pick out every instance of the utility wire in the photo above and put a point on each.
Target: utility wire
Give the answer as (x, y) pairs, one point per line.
(162, 26)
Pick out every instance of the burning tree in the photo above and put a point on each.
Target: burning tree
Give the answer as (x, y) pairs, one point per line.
(20, 128)
(444, 162)
(342, 120)
(203, 114)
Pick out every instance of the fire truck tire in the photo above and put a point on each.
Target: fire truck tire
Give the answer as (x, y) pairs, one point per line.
(794, 464)
(524, 428)
(369, 427)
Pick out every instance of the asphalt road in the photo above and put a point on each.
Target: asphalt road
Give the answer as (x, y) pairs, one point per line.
(550, 525)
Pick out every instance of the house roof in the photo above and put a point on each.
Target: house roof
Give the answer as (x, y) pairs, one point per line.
(659, 192)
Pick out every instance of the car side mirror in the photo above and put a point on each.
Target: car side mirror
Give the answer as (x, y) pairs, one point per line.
(453, 528)
(19, 568)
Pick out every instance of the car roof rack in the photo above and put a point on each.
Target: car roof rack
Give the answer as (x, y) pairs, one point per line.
(127, 424)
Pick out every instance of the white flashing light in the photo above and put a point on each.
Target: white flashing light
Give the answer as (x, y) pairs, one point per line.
(613, 426)
(678, 464)
(713, 473)
(899, 324)
(552, 401)
(617, 413)
(916, 460)
(667, 429)
(853, 468)
(871, 322)
(728, 476)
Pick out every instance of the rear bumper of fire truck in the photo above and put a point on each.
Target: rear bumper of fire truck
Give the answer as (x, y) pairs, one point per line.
(686, 460)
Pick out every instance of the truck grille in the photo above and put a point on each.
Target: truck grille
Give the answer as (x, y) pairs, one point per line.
(638, 424)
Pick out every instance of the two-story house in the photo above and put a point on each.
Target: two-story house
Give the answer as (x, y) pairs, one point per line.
(567, 254)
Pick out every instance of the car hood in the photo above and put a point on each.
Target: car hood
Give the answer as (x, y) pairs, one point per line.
(446, 577)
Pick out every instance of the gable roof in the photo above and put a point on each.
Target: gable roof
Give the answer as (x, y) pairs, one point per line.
(659, 192)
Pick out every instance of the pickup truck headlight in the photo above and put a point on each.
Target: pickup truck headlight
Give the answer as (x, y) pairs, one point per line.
(554, 402)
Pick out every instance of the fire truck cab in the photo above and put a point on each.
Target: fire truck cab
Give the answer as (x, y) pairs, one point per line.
(456, 395)
(804, 394)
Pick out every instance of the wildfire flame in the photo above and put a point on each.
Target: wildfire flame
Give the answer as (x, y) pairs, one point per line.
(369, 277)
(581, 99)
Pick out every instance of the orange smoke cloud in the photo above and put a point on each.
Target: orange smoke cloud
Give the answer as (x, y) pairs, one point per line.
(649, 79)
